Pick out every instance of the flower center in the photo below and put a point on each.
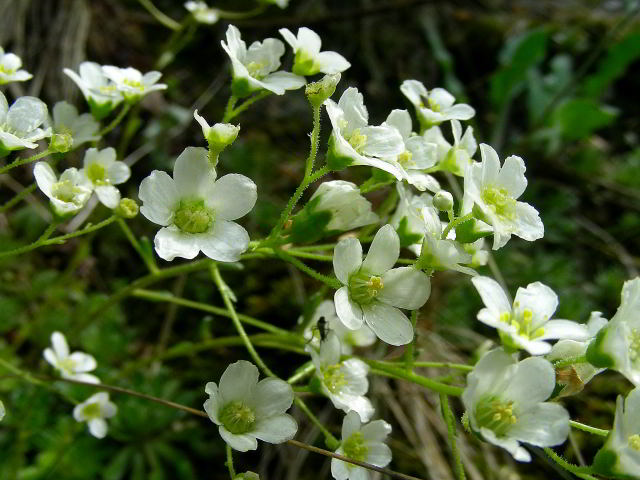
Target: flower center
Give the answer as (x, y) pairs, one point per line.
(108, 89)
(364, 288)
(433, 105)
(255, 70)
(634, 442)
(237, 417)
(404, 159)
(92, 410)
(495, 415)
(65, 191)
(67, 365)
(333, 378)
(134, 84)
(192, 216)
(6, 71)
(97, 174)
(355, 447)
(357, 140)
(522, 321)
(500, 202)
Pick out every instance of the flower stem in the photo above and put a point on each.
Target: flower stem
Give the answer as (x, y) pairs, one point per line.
(245, 105)
(455, 223)
(241, 15)
(229, 462)
(570, 467)
(307, 369)
(161, 17)
(18, 197)
(315, 139)
(589, 429)
(454, 366)
(149, 262)
(223, 289)
(331, 282)
(567, 362)
(331, 441)
(449, 418)
(228, 110)
(116, 121)
(410, 350)
(24, 161)
(384, 369)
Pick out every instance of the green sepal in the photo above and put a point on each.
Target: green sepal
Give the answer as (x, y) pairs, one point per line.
(100, 110)
(310, 225)
(335, 160)
(303, 64)
(605, 462)
(315, 386)
(381, 176)
(595, 354)
(467, 232)
(407, 237)
(241, 88)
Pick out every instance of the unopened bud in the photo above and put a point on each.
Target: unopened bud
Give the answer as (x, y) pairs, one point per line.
(127, 208)
(318, 92)
(443, 201)
(61, 142)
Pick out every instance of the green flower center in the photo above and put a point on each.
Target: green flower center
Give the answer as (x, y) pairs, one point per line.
(433, 105)
(92, 410)
(237, 417)
(634, 345)
(355, 139)
(192, 216)
(364, 288)
(634, 442)
(134, 84)
(97, 174)
(500, 202)
(404, 159)
(65, 191)
(108, 89)
(255, 70)
(67, 365)
(522, 321)
(333, 378)
(5, 70)
(355, 447)
(495, 415)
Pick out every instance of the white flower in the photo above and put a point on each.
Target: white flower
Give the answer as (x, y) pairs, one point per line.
(364, 443)
(407, 219)
(453, 158)
(101, 172)
(10, 71)
(94, 410)
(68, 194)
(246, 410)
(309, 60)
(478, 252)
(574, 377)
(218, 136)
(73, 366)
(196, 211)
(418, 154)
(82, 128)
(438, 253)
(255, 68)
(505, 401)
(353, 142)
(494, 190)
(526, 324)
(373, 291)
(363, 337)
(132, 83)
(100, 93)
(2, 410)
(436, 106)
(19, 125)
(620, 455)
(202, 12)
(345, 383)
(617, 345)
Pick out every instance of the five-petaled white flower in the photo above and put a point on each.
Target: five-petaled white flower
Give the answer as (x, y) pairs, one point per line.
(254, 68)
(617, 345)
(364, 443)
(436, 106)
(247, 410)
(196, 210)
(100, 93)
(505, 402)
(620, 455)
(82, 128)
(67, 194)
(202, 12)
(73, 366)
(373, 291)
(353, 142)
(19, 125)
(457, 157)
(419, 154)
(317, 329)
(527, 323)
(493, 191)
(345, 383)
(132, 83)
(94, 410)
(309, 60)
(101, 172)
(10, 71)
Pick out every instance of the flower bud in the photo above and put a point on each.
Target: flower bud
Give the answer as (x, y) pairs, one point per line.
(247, 476)
(318, 92)
(443, 201)
(127, 208)
(61, 142)
(218, 136)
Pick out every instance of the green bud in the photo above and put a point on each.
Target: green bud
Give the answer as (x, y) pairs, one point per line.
(127, 208)
(318, 92)
(443, 201)
(61, 142)
(221, 135)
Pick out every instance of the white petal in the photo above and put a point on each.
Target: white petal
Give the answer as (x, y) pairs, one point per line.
(460, 111)
(350, 424)
(347, 258)
(332, 62)
(192, 172)
(238, 381)
(492, 295)
(388, 323)
(382, 142)
(290, 38)
(539, 299)
(488, 375)
(339, 469)
(82, 377)
(118, 172)
(276, 429)
(26, 114)
(233, 196)
(50, 357)
(98, 427)
(401, 121)
(566, 329)
(108, 195)
(159, 196)
(383, 252)
(528, 224)
(511, 176)
(378, 454)
(225, 243)
(532, 382)
(83, 362)
(376, 431)
(309, 41)
(490, 164)
(349, 312)
(213, 404)
(511, 445)
(45, 177)
(414, 91)
(170, 243)
(270, 397)
(405, 287)
(544, 425)
(60, 345)
(352, 105)
(441, 97)
(278, 82)
(242, 443)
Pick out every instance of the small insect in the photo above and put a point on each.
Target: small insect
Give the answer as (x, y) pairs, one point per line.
(322, 327)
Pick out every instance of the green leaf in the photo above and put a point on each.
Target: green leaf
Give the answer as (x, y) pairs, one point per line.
(579, 117)
(613, 66)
